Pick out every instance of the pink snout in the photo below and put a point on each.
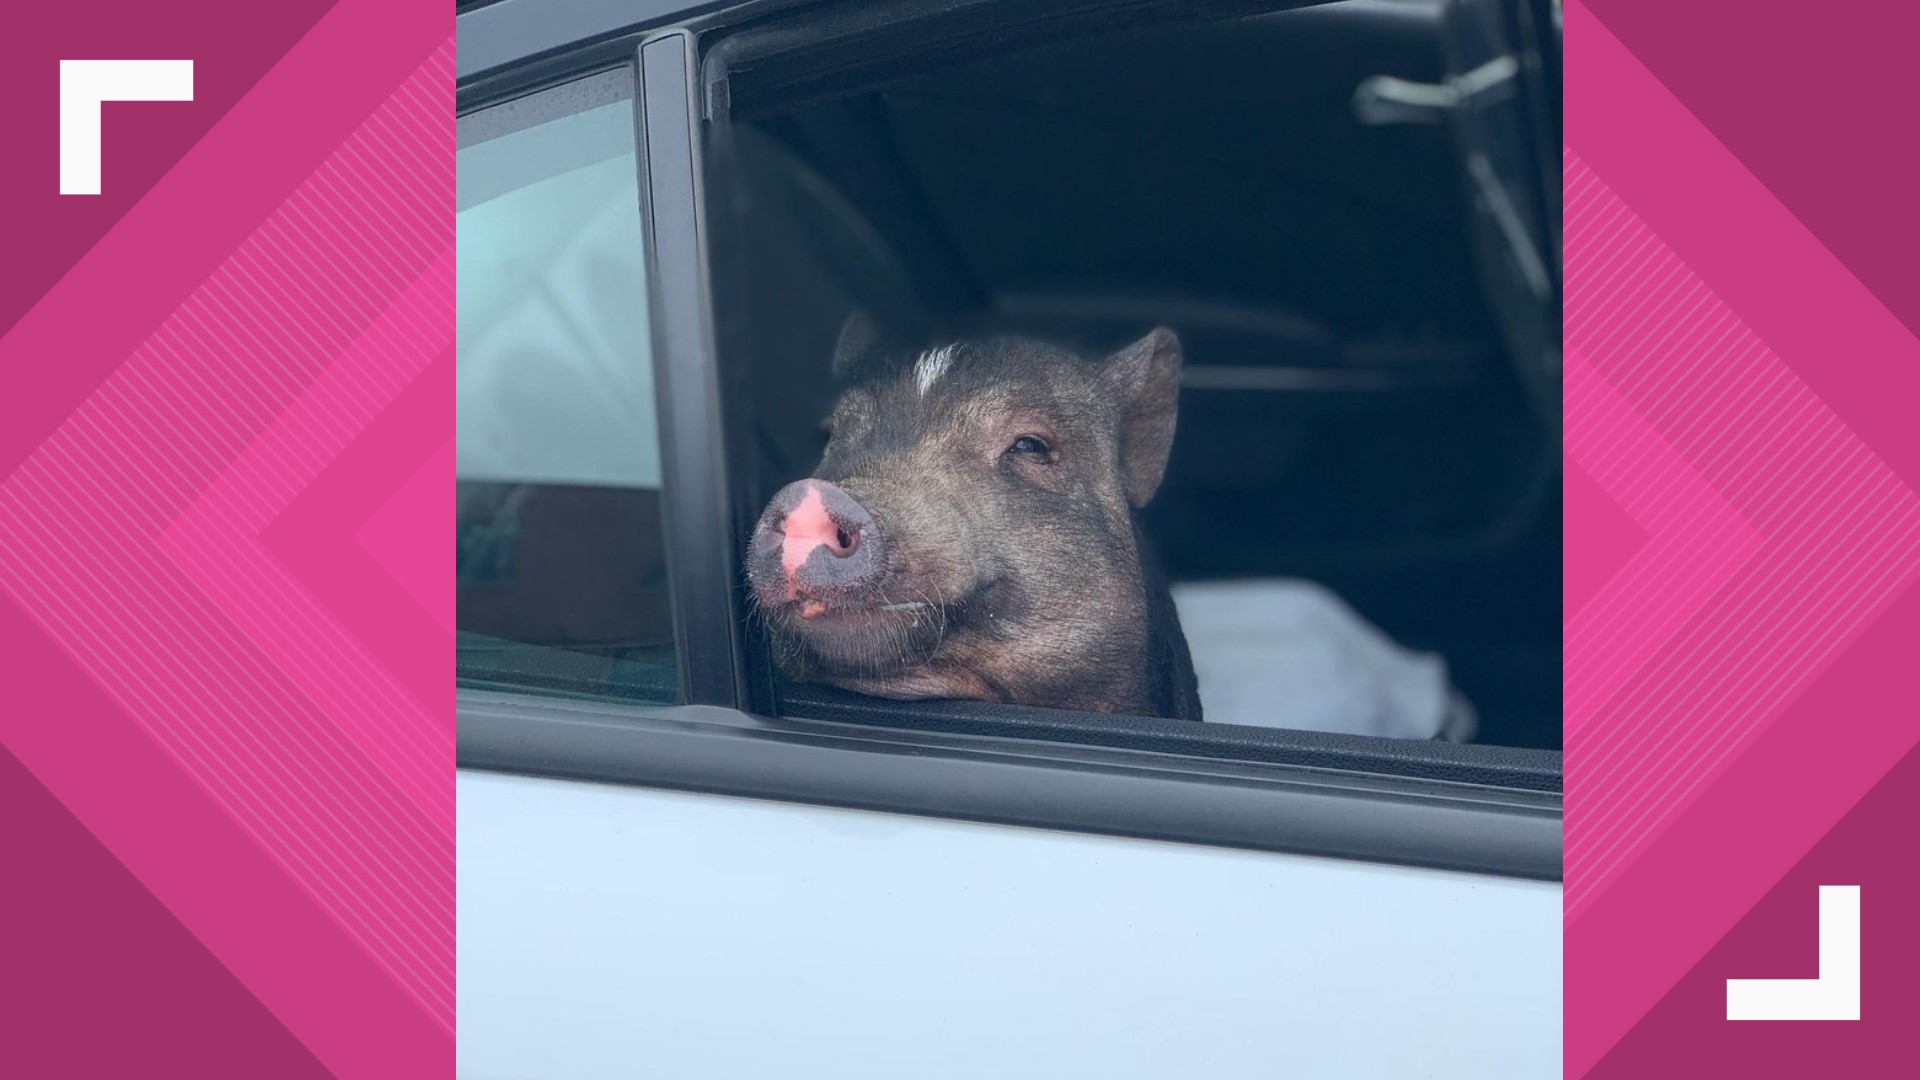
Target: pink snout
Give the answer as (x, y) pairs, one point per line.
(816, 544)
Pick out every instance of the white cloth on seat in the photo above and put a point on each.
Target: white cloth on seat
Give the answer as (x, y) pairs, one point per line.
(1286, 653)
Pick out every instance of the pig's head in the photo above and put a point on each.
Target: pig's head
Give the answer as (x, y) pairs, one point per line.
(969, 530)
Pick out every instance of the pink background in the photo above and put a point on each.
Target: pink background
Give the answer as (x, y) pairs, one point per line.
(226, 493)
(1743, 447)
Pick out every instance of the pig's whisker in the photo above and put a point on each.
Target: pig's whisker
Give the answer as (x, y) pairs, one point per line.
(940, 612)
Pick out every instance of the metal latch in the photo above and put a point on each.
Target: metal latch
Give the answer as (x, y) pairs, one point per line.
(1383, 99)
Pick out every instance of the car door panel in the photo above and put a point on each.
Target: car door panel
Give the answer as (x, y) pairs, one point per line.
(620, 931)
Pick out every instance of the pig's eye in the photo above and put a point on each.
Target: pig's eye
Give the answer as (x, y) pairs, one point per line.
(1032, 445)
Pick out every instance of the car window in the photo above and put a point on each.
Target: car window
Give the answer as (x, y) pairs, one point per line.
(1359, 520)
(561, 573)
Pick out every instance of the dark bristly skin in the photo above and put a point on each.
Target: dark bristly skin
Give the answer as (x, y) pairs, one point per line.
(970, 531)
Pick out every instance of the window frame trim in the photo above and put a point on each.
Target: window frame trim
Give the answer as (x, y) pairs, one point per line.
(513, 47)
(1391, 820)
(702, 572)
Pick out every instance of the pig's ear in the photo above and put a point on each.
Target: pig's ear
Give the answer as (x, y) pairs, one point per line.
(859, 342)
(1145, 378)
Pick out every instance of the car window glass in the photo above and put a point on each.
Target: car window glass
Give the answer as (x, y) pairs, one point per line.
(562, 580)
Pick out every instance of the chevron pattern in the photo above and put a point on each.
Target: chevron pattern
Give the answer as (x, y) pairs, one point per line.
(1731, 688)
(224, 494)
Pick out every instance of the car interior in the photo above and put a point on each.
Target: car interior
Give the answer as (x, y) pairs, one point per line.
(1352, 413)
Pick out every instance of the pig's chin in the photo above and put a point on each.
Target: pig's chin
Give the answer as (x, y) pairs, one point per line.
(829, 642)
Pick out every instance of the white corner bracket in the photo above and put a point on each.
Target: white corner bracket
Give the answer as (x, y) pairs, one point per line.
(1835, 995)
(84, 84)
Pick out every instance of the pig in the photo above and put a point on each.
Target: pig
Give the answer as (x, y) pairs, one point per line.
(971, 533)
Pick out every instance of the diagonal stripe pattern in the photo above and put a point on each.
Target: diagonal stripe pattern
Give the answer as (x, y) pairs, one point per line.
(1836, 535)
(129, 535)
(1737, 747)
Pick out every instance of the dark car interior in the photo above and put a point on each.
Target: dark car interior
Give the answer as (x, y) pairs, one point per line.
(1352, 411)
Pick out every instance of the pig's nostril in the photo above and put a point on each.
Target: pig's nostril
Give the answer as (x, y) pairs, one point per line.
(843, 544)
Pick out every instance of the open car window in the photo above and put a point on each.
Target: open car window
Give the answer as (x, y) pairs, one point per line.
(1360, 517)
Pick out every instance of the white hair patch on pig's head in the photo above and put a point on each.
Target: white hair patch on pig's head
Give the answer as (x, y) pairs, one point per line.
(932, 364)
